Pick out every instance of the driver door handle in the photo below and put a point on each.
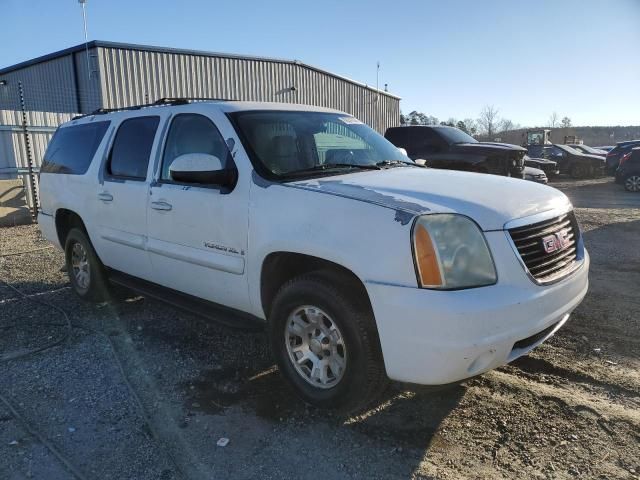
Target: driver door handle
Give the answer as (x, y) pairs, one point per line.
(161, 206)
(105, 197)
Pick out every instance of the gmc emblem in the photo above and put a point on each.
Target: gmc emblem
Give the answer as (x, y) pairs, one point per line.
(556, 241)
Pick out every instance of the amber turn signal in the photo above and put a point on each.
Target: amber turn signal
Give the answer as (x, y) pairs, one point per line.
(426, 259)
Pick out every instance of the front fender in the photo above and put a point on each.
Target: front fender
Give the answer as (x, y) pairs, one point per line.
(370, 240)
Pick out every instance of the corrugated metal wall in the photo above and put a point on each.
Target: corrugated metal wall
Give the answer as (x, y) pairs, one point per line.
(57, 85)
(130, 77)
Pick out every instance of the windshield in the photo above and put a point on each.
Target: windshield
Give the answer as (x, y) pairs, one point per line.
(567, 148)
(587, 149)
(293, 143)
(455, 135)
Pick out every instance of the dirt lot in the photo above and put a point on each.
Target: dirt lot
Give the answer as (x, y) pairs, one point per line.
(178, 384)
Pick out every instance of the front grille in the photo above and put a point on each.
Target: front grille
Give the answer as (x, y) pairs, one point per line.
(543, 266)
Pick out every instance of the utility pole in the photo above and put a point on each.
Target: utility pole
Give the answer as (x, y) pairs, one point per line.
(86, 39)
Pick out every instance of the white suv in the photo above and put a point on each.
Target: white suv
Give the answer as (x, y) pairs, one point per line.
(364, 265)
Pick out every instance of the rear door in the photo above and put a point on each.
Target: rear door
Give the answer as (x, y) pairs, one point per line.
(197, 234)
(121, 197)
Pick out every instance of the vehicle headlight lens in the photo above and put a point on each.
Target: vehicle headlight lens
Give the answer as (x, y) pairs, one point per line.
(451, 252)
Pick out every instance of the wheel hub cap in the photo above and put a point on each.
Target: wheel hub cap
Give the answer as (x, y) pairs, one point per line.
(633, 183)
(315, 346)
(80, 266)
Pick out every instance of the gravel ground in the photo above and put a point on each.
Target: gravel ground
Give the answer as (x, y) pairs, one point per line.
(139, 390)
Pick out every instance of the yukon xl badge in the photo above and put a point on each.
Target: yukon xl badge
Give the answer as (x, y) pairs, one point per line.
(223, 248)
(556, 241)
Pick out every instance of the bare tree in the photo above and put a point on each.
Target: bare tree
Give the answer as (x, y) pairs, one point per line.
(472, 126)
(553, 120)
(489, 120)
(565, 122)
(506, 125)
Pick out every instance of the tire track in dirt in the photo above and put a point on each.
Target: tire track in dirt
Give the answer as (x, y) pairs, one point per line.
(569, 395)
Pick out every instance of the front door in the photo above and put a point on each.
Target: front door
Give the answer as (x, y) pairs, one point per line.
(197, 234)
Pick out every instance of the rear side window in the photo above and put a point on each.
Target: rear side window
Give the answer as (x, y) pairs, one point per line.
(131, 148)
(72, 148)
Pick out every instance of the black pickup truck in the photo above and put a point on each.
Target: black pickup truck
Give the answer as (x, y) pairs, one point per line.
(451, 148)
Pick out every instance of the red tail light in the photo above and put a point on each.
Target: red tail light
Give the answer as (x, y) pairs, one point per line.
(624, 158)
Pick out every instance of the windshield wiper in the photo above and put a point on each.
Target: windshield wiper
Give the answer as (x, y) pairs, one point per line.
(394, 163)
(331, 166)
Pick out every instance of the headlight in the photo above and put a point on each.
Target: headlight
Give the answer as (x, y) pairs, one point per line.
(451, 252)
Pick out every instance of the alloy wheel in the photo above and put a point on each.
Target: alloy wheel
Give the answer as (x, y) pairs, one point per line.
(632, 183)
(315, 346)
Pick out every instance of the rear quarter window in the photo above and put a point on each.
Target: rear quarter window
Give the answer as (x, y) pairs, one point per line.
(72, 148)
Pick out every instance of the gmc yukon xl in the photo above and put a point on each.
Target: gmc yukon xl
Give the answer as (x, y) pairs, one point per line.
(363, 266)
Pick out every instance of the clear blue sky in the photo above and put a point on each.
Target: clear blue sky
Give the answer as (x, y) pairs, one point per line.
(580, 58)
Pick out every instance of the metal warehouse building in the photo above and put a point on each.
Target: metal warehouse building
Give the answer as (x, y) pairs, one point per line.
(117, 75)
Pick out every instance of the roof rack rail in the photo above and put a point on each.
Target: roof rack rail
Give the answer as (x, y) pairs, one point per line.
(164, 101)
(184, 100)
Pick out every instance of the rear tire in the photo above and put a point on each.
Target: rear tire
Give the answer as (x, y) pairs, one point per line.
(632, 183)
(86, 272)
(325, 343)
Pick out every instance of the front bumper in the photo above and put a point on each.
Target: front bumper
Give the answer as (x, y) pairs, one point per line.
(537, 178)
(435, 337)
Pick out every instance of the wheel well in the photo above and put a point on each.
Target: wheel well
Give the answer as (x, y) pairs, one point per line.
(65, 221)
(280, 267)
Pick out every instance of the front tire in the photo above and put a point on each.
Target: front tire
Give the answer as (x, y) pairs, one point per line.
(86, 272)
(325, 343)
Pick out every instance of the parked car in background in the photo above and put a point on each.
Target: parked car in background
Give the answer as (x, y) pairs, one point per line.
(535, 175)
(453, 149)
(606, 148)
(570, 160)
(266, 210)
(628, 172)
(588, 150)
(549, 167)
(614, 156)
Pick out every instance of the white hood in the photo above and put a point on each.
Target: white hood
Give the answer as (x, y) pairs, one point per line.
(490, 200)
